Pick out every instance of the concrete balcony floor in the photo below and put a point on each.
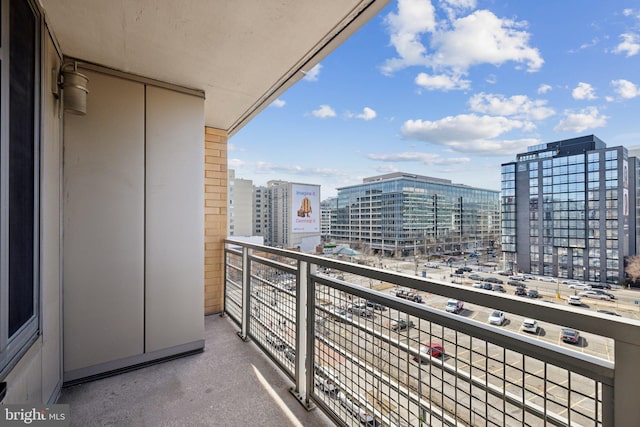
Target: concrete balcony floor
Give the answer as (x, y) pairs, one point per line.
(231, 383)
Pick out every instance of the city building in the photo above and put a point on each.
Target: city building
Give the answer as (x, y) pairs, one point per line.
(262, 213)
(401, 213)
(241, 211)
(566, 210)
(294, 215)
(327, 214)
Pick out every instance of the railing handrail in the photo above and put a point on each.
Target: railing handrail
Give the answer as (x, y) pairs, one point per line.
(619, 329)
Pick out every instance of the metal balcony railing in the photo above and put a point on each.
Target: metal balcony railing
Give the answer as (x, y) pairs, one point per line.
(369, 357)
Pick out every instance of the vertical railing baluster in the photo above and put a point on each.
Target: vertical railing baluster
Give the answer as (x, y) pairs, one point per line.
(623, 396)
(305, 334)
(246, 293)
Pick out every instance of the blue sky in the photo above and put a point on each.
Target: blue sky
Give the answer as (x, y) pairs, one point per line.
(452, 89)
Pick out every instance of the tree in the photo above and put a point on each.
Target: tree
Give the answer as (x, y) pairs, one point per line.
(633, 268)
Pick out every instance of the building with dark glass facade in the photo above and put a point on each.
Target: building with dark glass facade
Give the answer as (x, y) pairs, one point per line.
(566, 210)
(405, 214)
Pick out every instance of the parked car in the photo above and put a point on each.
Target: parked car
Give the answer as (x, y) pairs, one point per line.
(519, 277)
(496, 318)
(341, 315)
(290, 354)
(459, 271)
(430, 350)
(609, 312)
(475, 276)
(592, 294)
(486, 286)
(494, 280)
(548, 279)
(454, 306)
(601, 292)
(574, 300)
(375, 305)
(402, 324)
(533, 293)
(521, 292)
(582, 286)
(570, 336)
(275, 342)
(356, 411)
(530, 325)
(431, 265)
(477, 285)
(600, 286)
(325, 384)
(516, 283)
(571, 282)
(505, 273)
(360, 310)
(466, 268)
(498, 288)
(528, 277)
(410, 295)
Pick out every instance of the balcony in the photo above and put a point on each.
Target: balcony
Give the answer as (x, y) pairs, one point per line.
(231, 383)
(296, 337)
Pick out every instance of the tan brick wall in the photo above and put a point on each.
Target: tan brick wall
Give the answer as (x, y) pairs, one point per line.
(215, 217)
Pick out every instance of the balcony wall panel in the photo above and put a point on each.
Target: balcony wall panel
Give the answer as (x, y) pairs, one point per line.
(174, 210)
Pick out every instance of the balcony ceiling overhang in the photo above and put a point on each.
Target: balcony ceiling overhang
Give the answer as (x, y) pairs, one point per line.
(241, 53)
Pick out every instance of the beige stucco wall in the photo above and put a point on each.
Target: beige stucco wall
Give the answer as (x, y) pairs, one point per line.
(215, 217)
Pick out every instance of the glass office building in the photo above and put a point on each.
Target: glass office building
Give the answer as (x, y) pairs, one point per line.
(565, 210)
(406, 214)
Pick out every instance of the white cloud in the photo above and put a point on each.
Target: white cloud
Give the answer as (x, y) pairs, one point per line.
(469, 133)
(625, 89)
(483, 38)
(583, 91)
(588, 118)
(441, 82)
(457, 44)
(544, 88)
(278, 103)
(454, 8)
(429, 159)
(323, 112)
(630, 44)
(518, 106)
(367, 114)
(414, 17)
(312, 74)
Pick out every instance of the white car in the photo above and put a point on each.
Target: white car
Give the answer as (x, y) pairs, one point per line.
(547, 279)
(355, 410)
(574, 300)
(582, 286)
(477, 285)
(497, 318)
(325, 379)
(596, 295)
(530, 325)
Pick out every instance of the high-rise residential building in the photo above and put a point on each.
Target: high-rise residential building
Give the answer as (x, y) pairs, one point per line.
(293, 212)
(327, 212)
(240, 213)
(261, 213)
(567, 210)
(403, 213)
